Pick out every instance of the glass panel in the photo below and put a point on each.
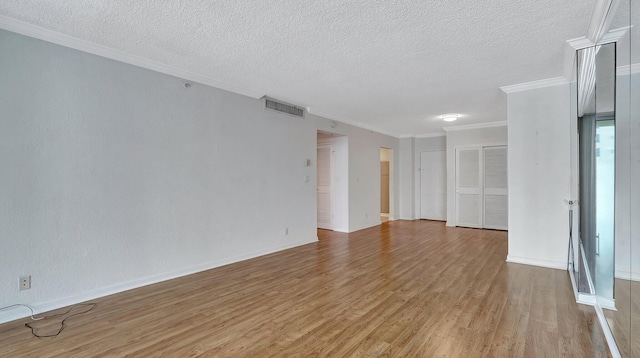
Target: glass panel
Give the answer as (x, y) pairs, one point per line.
(625, 322)
(596, 81)
(605, 184)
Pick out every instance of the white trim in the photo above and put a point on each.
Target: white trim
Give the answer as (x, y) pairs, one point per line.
(611, 342)
(42, 33)
(582, 42)
(572, 276)
(579, 43)
(591, 300)
(346, 231)
(555, 81)
(10, 315)
(361, 125)
(466, 146)
(611, 36)
(362, 227)
(407, 218)
(626, 275)
(627, 70)
(430, 135)
(614, 35)
(559, 265)
(570, 56)
(587, 272)
(475, 126)
(601, 19)
(331, 183)
(608, 303)
(586, 299)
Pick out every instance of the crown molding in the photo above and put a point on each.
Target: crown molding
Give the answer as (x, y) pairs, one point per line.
(628, 69)
(430, 135)
(555, 81)
(611, 36)
(614, 35)
(360, 125)
(57, 38)
(423, 135)
(601, 19)
(579, 43)
(475, 126)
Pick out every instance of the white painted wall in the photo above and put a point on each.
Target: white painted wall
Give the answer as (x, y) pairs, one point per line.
(429, 144)
(340, 183)
(539, 175)
(364, 171)
(114, 176)
(467, 138)
(406, 178)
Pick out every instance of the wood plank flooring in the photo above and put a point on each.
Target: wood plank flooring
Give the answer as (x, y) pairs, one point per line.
(402, 289)
(625, 321)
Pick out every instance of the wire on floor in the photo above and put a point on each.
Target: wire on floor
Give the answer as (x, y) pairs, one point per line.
(21, 305)
(62, 324)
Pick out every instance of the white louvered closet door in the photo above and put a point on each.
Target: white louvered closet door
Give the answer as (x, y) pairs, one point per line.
(495, 187)
(469, 187)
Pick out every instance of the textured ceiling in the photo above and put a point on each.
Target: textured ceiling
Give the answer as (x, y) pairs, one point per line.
(394, 66)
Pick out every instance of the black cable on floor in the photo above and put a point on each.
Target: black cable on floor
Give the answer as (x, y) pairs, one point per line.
(62, 325)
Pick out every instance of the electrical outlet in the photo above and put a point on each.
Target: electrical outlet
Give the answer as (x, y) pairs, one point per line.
(25, 282)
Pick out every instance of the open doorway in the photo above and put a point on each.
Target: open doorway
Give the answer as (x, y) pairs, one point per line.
(324, 167)
(385, 183)
(333, 181)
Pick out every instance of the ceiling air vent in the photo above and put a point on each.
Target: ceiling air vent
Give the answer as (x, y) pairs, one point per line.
(282, 107)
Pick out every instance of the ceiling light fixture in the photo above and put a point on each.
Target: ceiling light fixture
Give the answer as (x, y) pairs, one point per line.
(450, 117)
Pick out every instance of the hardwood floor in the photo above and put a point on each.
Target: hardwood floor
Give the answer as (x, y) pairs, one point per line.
(402, 289)
(626, 319)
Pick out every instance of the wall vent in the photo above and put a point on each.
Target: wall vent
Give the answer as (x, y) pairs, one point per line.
(283, 107)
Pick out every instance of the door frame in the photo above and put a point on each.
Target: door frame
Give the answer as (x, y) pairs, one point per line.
(331, 184)
(392, 211)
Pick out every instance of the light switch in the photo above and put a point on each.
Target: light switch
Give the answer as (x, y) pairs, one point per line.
(307, 178)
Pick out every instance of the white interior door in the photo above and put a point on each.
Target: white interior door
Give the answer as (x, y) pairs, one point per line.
(469, 187)
(433, 185)
(324, 187)
(495, 188)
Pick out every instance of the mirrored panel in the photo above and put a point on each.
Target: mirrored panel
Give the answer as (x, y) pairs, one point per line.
(625, 321)
(596, 161)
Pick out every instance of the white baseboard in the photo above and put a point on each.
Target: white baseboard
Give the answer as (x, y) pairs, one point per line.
(536, 262)
(626, 275)
(408, 218)
(608, 335)
(591, 300)
(40, 307)
(362, 227)
(586, 299)
(607, 303)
